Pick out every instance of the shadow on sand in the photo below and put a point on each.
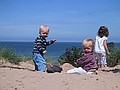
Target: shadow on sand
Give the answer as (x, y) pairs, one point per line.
(113, 70)
(15, 67)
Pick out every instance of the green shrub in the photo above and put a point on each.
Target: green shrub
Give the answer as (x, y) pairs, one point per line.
(9, 55)
(70, 55)
(114, 57)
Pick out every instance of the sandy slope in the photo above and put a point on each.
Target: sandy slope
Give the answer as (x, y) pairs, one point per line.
(13, 77)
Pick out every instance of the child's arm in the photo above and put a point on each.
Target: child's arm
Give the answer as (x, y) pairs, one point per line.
(80, 61)
(85, 60)
(105, 45)
(51, 42)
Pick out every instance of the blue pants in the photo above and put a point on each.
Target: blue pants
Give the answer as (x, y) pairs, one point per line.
(39, 61)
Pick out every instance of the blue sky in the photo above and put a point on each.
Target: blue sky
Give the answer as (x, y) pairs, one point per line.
(69, 20)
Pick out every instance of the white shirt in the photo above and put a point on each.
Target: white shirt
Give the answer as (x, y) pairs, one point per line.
(99, 46)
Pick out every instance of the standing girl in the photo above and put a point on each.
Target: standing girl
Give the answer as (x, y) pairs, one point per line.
(101, 46)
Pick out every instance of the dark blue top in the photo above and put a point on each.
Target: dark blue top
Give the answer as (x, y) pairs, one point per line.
(40, 44)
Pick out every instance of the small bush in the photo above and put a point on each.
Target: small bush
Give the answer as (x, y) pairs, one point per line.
(114, 57)
(9, 55)
(70, 55)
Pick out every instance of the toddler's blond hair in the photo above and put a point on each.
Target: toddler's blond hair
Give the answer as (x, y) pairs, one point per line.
(43, 27)
(88, 43)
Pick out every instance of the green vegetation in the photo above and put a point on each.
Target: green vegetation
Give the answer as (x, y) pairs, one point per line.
(9, 55)
(71, 54)
(51, 61)
(114, 57)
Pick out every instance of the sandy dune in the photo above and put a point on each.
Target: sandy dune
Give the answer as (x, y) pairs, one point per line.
(13, 77)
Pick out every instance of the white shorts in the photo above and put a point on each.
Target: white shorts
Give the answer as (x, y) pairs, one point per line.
(101, 58)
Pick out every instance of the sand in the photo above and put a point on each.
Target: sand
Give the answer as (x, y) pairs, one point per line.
(23, 77)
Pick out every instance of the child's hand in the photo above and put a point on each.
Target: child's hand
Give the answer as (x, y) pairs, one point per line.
(52, 41)
(44, 52)
(108, 53)
(75, 63)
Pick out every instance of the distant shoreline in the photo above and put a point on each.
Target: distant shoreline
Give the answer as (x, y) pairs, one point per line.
(54, 51)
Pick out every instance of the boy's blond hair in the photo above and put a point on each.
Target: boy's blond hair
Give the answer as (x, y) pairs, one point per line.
(43, 27)
(88, 43)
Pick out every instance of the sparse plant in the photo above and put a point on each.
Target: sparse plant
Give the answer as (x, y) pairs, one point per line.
(114, 57)
(9, 55)
(51, 61)
(70, 55)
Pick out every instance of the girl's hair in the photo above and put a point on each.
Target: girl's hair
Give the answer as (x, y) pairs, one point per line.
(103, 31)
(88, 43)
